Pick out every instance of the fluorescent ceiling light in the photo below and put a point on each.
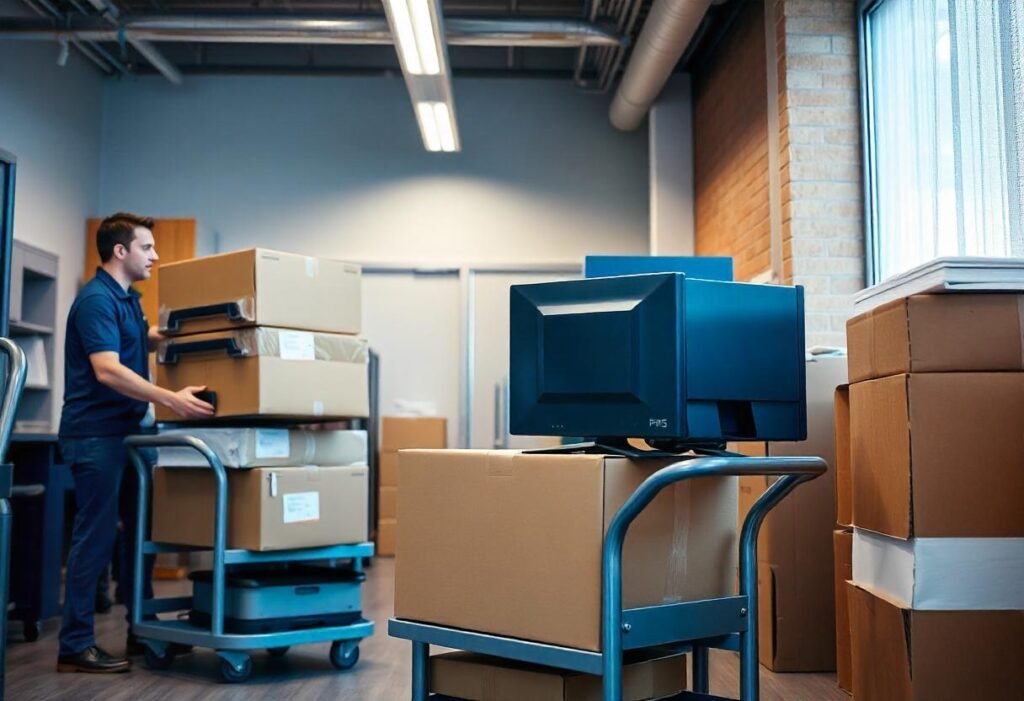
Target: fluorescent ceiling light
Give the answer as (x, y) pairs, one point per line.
(428, 125)
(445, 127)
(413, 27)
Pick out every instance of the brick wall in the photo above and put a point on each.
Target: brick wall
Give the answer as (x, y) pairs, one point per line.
(820, 159)
(730, 116)
(819, 154)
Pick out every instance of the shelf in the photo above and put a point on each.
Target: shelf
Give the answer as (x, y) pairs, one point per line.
(24, 327)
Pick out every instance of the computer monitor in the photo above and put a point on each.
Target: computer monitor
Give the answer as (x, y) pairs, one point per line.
(702, 267)
(674, 360)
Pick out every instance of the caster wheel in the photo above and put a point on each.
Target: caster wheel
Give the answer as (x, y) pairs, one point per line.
(31, 630)
(231, 675)
(157, 661)
(341, 660)
(278, 651)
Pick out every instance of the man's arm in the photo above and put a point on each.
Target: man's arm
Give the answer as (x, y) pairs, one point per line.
(110, 372)
(154, 336)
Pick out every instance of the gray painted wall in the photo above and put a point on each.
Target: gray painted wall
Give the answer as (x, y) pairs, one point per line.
(50, 119)
(335, 166)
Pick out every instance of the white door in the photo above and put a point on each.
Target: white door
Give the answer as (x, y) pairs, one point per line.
(414, 322)
(489, 338)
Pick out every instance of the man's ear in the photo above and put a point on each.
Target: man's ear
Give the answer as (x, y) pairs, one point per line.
(120, 254)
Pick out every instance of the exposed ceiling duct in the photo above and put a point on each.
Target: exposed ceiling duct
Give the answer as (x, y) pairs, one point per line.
(665, 35)
(460, 31)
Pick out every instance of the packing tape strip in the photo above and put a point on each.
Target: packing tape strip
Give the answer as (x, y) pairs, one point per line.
(312, 266)
(678, 566)
(318, 408)
(308, 447)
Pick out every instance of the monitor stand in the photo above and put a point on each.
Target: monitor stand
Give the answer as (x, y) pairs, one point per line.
(622, 447)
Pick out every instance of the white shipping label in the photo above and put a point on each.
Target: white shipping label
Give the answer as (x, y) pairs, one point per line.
(272, 443)
(302, 506)
(296, 345)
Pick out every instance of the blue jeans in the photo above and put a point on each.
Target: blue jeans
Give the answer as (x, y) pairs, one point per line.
(105, 490)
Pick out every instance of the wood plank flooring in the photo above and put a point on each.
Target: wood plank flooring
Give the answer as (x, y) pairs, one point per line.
(305, 674)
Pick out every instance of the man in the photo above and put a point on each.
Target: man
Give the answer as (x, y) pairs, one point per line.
(105, 398)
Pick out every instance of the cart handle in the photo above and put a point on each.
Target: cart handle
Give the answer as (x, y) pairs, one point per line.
(17, 369)
(232, 310)
(792, 471)
(220, 518)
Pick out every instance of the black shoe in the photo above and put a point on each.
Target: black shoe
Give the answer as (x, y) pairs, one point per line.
(93, 660)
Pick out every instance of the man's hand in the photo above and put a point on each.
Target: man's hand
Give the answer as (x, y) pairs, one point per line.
(187, 405)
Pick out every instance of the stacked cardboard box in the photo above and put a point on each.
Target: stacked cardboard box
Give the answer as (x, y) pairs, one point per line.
(510, 543)
(842, 538)
(271, 335)
(795, 581)
(937, 482)
(401, 433)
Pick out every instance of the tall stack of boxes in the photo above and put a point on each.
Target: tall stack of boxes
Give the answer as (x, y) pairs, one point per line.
(272, 336)
(842, 539)
(936, 488)
(794, 568)
(401, 433)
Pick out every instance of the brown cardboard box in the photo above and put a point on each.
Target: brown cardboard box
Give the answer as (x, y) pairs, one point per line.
(472, 677)
(389, 502)
(268, 508)
(399, 432)
(797, 595)
(510, 544)
(843, 468)
(843, 541)
(276, 372)
(906, 655)
(938, 333)
(386, 528)
(389, 469)
(939, 455)
(270, 288)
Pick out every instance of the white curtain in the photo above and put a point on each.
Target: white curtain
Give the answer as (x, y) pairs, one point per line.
(946, 87)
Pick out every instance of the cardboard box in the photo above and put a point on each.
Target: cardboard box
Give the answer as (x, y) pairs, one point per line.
(796, 583)
(270, 372)
(268, 508)
(843, 541)
(941, 574)
(938, 333)
(842, 463)
(386, 528)
(904, 655)
(398, 432)
(510, 544)
(472, 677)
(267, 447)
(389, 502)
(389, 469)
(939, 455)
(270, 288)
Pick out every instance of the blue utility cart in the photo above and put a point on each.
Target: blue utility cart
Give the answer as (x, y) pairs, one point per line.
(728, 623)
(163, 638)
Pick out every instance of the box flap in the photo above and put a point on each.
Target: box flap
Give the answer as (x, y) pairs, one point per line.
(843, 467)
(880, 635)
(843, 541)
(880, 456)
(879, 342)
(968, 455)
(399, 432)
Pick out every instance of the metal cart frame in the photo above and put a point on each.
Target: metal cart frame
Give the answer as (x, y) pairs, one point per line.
(728, 623)
(162, 636)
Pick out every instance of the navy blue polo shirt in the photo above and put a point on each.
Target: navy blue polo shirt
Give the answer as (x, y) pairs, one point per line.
(104, 317)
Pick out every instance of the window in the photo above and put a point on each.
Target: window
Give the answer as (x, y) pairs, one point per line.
(943, 97)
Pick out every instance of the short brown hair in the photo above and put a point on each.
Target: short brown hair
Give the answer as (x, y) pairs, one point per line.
(119, 229)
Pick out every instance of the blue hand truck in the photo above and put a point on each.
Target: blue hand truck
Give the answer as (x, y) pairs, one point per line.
(163, 638)
(17, 369)
(728, 623)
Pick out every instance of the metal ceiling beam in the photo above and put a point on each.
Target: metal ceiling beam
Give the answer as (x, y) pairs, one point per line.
(112, 14)
(460, 31)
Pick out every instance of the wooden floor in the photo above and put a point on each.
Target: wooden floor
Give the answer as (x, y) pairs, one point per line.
(305, 674)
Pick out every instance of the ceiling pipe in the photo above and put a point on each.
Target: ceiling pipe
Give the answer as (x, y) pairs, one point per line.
(460, 31)
(111, 13)
(668, 30)
(87, 50)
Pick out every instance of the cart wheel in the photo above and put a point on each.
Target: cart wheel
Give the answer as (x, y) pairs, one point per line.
(233, 676)
(278, 651)
(341, 660)
(155, 660)
(31, 630)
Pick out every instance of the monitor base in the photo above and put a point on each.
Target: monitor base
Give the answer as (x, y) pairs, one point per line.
(621, 447)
